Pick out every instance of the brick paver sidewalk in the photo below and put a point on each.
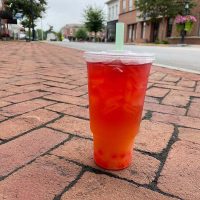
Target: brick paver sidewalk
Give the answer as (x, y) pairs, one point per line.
(46, 145)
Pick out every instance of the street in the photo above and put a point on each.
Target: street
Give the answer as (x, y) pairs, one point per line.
(183, 58)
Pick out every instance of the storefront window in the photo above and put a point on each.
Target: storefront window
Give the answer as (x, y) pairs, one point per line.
(199, 24)
(143, 30)
(169, 27)
(131, 32)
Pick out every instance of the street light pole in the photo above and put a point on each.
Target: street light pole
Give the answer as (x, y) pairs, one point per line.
(186, 12)
(187, 7)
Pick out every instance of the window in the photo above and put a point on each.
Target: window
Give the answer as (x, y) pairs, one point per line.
(109, 14)
(113, 12)
(116, 11)
(130, 5)
(199, 24)
(124, 5)
(169, 27)
(131, 32)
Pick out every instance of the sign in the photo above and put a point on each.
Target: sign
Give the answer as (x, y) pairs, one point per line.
(18, 16)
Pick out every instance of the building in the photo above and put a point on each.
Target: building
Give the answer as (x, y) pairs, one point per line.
(6, 21)
(113, 16)
(2, 21)
(143, 30)
(69, 30)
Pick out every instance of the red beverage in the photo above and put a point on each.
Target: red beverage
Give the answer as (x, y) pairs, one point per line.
(116, 96)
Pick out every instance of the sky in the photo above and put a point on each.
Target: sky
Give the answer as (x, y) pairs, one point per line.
(61, 12)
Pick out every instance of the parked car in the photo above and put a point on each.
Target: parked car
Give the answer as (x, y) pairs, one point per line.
(22, 36)
(66, 40)
(51, 37)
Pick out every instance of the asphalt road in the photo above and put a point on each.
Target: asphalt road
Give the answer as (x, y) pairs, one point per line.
(185, 58)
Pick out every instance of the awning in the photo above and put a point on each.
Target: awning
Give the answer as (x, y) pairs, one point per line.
(11, 21)
(8, 17)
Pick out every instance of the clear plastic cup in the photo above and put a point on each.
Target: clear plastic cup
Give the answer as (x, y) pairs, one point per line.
(117, 83)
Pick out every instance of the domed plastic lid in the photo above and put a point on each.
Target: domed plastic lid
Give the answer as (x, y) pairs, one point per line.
(126, 57)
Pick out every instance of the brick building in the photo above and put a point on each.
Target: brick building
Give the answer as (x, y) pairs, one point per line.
(69, 30)
(2, 21)
(142, 30)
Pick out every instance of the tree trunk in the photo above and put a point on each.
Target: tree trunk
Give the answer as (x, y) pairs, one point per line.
(95, 36)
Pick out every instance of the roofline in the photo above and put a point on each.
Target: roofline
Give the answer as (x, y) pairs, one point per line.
(110, 1)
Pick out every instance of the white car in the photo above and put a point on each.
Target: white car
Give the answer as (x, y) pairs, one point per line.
(51, 37)
(22, 36)
(66, 40)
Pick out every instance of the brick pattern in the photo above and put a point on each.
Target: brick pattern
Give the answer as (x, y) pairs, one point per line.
(182, 166)
(42, 179)
(18, 152)
(93, 186)
(142, 170)
(46, 147)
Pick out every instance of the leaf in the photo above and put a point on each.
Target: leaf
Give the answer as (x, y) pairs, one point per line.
(188, 26)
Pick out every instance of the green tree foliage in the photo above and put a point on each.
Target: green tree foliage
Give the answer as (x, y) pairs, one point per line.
(60, 36)
(94, 19)
(26, 7)
(155, 9)
(81, 34)
(31, 10)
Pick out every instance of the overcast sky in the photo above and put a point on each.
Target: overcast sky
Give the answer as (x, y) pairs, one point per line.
(61, 12)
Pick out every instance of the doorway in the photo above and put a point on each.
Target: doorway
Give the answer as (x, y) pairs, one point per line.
(154, 31)
(131, 32)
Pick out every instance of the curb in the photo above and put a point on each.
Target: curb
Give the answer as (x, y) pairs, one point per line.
(176, 68)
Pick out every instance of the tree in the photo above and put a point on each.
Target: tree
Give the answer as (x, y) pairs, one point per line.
(81, 34)
(31, 10)
(94, 19)
(60, 36)
(50, 28)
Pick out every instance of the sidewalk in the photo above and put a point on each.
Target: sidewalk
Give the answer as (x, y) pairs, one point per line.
(46, 145)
